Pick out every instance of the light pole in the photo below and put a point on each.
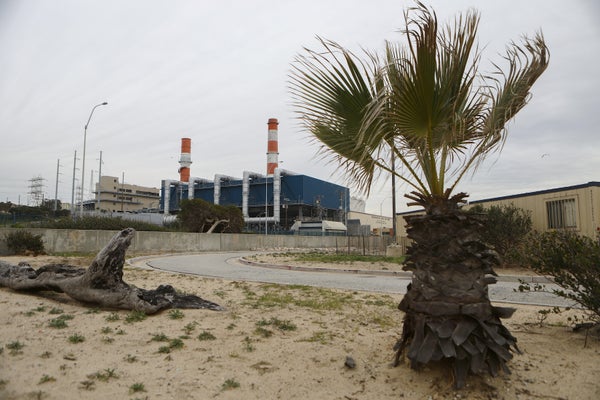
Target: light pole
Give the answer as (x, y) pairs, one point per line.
(83, 158)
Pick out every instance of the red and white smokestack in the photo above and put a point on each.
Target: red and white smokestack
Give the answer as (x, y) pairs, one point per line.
(272, 147)
(185, 160)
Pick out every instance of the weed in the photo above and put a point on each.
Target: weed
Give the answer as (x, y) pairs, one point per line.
(219, 293)
(15, 347)
(189, 328)
(60, 322)
(263, 332)
(120, 332)
(105, 375)
(176, 343)
(87, 385)
(159, 337)
(56, 311)
(3, 383)
(176, 314)
(113, 316)
(231, 326)
(230, 384)
(107, 339)
(76, 338)
(248, 346)
(164, 349)
(135, 316)
(94, 310)
(137, 387)
(46, 354)
(46, 378)
(206, 336)
(106, 330)
(130, 359)
(29, 313)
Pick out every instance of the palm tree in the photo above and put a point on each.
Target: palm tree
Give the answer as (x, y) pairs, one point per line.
(425, 105)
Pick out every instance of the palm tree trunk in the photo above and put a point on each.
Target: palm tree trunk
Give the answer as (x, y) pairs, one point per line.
(448, 312)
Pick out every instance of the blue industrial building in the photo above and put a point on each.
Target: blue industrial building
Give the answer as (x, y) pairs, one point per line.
(273, 202)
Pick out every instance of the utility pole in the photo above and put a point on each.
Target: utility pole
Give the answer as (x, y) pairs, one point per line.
(99, 181)
(56, 185)
(73, 187)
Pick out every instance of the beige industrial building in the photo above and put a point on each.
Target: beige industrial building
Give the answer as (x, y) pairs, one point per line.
(115, 196)
(576, 208)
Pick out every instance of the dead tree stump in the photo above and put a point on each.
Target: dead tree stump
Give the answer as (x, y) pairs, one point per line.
(101, 283)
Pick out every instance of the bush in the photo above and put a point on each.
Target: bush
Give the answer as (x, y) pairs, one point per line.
(24, 242)
(574, 263)
(198, 215)
(506, 228)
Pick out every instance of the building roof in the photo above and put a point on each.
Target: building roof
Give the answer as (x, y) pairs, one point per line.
(527, 194)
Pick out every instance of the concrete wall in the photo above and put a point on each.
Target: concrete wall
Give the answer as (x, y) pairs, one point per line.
(144, 242)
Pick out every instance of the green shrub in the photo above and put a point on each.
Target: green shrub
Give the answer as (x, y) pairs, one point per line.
(505, 228)
(574, 263)
(24, 242)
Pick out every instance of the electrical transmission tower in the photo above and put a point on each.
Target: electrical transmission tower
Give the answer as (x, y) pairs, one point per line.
(36, 191)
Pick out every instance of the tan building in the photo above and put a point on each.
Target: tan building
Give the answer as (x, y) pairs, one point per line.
(379, 224)
(575, 208)
(115, 196)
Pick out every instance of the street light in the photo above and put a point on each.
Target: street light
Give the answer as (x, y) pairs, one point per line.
(83, 158)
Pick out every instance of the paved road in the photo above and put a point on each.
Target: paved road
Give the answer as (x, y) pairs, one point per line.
(228, 266)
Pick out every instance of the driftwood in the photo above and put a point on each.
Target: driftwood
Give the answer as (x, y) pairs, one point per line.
(101, 283)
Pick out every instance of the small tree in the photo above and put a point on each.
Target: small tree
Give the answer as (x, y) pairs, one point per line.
(505, 228)
(198, 215)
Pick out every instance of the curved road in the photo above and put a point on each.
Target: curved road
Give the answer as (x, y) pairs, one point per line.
(228, 266)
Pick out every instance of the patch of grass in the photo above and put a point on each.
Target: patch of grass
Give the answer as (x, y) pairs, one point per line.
(206, 336)
(176, 314)
(108, 339)
(137, 387)
(219, 293)
(303, 296)
(230, 384)
(60, 322)
(231, 327)
(321, 337)
(55, 310)
(76, 338)
(106, 330)
(94, 310)
(46, 378)
(113, 316)
(282, 325)
(164, 349)
(135, 316)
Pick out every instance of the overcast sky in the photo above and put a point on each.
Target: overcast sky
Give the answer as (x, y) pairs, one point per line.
(216, 71)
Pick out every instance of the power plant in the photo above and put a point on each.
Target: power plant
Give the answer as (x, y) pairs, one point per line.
(270, 201)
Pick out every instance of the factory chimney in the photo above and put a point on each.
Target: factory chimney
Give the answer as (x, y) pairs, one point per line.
(185, 160)
(272, 147)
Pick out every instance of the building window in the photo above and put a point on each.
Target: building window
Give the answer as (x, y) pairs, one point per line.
(561, 214)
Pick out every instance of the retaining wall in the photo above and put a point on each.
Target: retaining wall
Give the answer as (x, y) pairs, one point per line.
(144, 242)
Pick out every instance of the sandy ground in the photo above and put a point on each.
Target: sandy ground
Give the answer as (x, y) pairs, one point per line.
(273, 342)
